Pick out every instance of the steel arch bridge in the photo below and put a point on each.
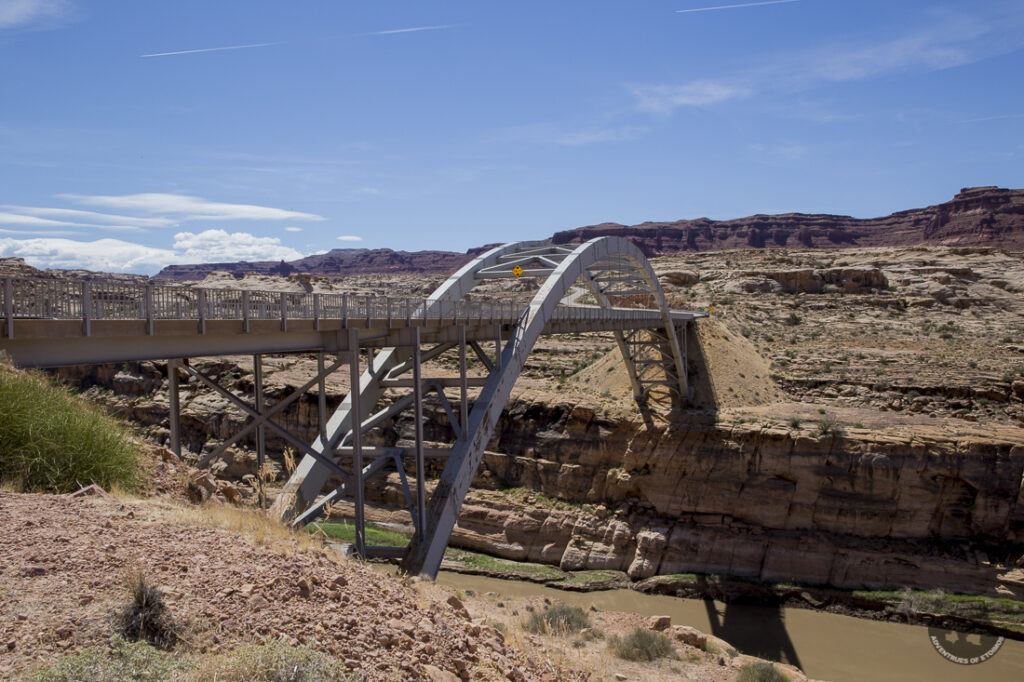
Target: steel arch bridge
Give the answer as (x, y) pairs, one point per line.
(610, 269)
(48, 322)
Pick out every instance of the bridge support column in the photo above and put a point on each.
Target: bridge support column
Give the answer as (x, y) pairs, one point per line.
(261, 451)
(175, 405)
(417, 393)
(357, 444)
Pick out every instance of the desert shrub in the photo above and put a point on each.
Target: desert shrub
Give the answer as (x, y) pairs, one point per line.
(123, 661)
(760, 672)
(144, 617)
(641, 645)
(274, 661)
(919, 601)
(53, 440)
(560, 618)
(792, 320)
(829, 427)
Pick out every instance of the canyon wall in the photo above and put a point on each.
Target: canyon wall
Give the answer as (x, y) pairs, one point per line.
(565, 484)
(752, 500)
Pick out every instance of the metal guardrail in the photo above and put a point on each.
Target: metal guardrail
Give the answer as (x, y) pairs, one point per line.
(27, 298)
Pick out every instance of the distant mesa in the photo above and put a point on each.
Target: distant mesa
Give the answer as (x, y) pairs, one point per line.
(337, 262)
(977, 216)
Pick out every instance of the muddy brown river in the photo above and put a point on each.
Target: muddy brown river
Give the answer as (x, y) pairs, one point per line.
(826, 646)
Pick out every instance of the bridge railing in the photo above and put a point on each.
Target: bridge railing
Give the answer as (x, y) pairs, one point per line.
(98, 300)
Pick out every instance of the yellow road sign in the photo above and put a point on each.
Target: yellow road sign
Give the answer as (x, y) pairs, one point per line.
(517, 271)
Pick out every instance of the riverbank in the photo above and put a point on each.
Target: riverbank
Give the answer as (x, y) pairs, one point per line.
(937, 608)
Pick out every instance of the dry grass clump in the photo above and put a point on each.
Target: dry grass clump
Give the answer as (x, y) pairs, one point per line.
(144, 618)
(270, 662)
(122, 661)
(262, 529)
(760, 672)
(561, 619)
(641, 645)
(52, 440)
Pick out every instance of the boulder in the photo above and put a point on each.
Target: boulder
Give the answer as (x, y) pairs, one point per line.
(659, 623)
(690, 636)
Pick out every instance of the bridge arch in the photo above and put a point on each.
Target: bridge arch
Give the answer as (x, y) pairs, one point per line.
(426, 550)
(611, 269)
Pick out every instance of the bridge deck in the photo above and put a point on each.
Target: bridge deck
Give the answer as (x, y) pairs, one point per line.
(53, 323)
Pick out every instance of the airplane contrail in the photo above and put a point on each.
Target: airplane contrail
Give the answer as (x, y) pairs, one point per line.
(410, 30)
(745, 4)
(245, 47)
(209, 49)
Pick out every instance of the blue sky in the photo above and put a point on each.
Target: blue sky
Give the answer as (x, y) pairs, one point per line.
(419, 125)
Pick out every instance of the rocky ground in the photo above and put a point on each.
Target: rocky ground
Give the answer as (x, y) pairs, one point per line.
(230, 577)
(935, 331)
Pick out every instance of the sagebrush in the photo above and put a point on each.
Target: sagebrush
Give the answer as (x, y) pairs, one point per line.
(558, 619)
(641, 645)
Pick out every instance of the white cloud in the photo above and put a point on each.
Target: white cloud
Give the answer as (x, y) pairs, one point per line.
(36, 233)
(115, 255)
(189, 208)
(35, 221)
(91, 216)
(597, 135)
(350, 238)
(20, 12)
(108, 255)
(18, 219)
(661, 99)
(293, 229)
(953, 40)
(211, 246)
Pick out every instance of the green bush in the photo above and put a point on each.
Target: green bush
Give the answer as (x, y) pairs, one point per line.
(271, 662)
(124, 661)
(760, 672)
(52, 440)
(641, 645)
(560, 618)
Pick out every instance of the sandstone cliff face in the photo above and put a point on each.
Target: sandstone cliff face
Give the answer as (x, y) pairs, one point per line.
(751, 501)
(989, 216)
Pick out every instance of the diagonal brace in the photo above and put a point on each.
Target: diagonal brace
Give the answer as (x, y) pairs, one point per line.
(281, 431)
